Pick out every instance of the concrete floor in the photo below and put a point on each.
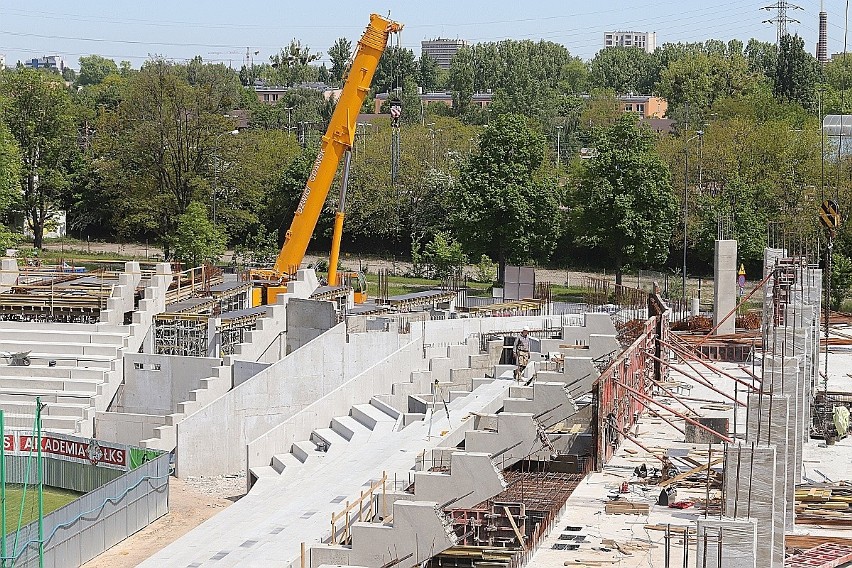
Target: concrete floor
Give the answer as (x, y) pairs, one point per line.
(585, 508)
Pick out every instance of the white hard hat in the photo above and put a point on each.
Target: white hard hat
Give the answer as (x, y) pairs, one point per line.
(526, 328)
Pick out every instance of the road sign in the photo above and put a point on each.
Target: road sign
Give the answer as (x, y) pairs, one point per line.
(829, 214)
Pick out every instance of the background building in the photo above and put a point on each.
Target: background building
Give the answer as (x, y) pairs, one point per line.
(646, 41)
(46, 62)
(442, 50)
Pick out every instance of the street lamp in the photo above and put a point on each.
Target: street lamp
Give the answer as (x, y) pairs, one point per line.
(700, 135)
(558, 148)
(216, 168)
(289, 118)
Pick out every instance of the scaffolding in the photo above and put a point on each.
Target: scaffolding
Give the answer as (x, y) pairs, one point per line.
(181, 334)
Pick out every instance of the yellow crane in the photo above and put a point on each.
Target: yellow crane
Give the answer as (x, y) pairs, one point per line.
(337, 140)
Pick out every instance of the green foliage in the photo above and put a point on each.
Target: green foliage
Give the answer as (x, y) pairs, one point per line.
(290, 66)
(94, 69)
(841, 279)
(624, 205)
(196, 241)
(503, 207)
(258, 249)
(797, 73)
(429, 73)
(395, 66)
(485, 269)
(443, 257)
(339, 53)
(624, 70)
(163, 146)
(38, 112)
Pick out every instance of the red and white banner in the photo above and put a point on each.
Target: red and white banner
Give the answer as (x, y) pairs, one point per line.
(70, 448)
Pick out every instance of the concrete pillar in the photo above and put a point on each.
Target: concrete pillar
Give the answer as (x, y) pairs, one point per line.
(725, 285)
(8, 274)
(749, 490)
(768, 422)
(738, 538)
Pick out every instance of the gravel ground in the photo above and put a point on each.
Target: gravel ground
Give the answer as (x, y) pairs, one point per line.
(230, 487)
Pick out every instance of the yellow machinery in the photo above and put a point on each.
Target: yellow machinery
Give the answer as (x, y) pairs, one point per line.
(338, 139)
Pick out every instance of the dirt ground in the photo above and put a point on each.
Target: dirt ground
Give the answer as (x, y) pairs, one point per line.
(191, 502)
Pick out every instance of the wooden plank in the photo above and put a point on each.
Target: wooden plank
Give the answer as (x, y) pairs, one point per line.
(515, 527)
(692, 471)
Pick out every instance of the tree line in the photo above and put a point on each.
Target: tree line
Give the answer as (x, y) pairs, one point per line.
(150, 153)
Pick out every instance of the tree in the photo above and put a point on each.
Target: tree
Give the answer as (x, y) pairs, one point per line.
(395, 66)
(37, 109)
(624, 205)
(94, 69)
(797, 72)
(162, 147)
(196, 241)
(841, 280)
(290, 66)
(762, 57)
(428, 73)
(504, 207)
(624, 70)
(443, 256)
(339, 53)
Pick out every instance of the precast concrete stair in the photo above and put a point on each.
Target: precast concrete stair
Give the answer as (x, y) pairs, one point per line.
(363, 420)
(75, 369)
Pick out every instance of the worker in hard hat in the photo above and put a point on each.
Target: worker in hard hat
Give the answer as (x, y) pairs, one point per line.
(522, 352)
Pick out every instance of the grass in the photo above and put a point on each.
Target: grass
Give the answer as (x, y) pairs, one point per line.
(53, 499)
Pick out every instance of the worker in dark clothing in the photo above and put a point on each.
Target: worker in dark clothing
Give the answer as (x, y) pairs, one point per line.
(522, 352)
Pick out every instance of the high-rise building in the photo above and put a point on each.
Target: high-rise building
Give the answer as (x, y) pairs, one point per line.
(646, 41)
(442, 50)
(822, 44)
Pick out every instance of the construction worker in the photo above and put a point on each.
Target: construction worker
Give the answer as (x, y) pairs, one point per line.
(522, 352)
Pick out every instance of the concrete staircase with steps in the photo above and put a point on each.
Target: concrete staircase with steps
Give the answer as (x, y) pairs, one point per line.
(75, 369)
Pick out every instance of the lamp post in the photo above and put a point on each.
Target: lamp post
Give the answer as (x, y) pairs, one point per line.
(558, 148)
(216, 168)
(289, 118)
(700, 135)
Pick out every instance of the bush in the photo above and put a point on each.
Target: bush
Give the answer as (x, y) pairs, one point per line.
(486, 269)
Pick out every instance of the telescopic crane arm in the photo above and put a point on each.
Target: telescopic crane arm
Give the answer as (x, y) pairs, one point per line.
(337, 140)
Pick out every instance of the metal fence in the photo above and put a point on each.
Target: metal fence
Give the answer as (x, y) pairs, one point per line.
(81, 530)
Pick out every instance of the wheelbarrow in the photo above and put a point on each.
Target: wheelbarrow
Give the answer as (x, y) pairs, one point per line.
(19, 359)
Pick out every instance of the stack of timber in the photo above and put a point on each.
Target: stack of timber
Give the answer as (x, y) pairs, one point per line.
(824, 504)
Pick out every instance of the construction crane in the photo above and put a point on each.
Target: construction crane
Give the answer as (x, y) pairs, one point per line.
(338, 139)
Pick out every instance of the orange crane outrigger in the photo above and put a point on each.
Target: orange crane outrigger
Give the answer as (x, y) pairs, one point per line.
(338, 139)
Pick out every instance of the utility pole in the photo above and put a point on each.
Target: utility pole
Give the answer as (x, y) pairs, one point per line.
(781, 19)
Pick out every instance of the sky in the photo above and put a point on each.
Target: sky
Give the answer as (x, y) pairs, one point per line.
(222, 31)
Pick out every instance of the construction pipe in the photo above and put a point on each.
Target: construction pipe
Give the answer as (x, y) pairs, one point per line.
(699, 381)
(675, 412)
(684, 355)
(742, 301)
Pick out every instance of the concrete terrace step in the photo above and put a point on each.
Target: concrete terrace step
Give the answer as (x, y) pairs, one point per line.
(369, 415)
(48, 396)
(42, 359)
(39, 368)
(81, 349)
(51, 336)
(328, 438)
(280, 462)
(264, 471)
(58, 409)
(384, 407)
(303, 450)
(347, 427)
(51, 385)
(66, 424)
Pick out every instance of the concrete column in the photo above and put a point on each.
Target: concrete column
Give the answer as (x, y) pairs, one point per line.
(749, 491)
(725, 285)
(768, 422)
(738, 538)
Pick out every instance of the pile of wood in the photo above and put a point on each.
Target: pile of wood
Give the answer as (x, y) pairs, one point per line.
(626, 508)
(824, 504)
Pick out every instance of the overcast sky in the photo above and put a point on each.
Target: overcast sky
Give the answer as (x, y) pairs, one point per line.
(222, 31)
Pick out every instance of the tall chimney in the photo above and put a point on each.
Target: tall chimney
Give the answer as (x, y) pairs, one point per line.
(822, 44)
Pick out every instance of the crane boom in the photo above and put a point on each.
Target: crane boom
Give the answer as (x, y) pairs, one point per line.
(338, 138)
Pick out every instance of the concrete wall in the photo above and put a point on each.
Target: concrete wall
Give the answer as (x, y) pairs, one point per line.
(273, 395)
(307, 320)
(378, 378)
(725, 285)
(156, 384)
(126, 428)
